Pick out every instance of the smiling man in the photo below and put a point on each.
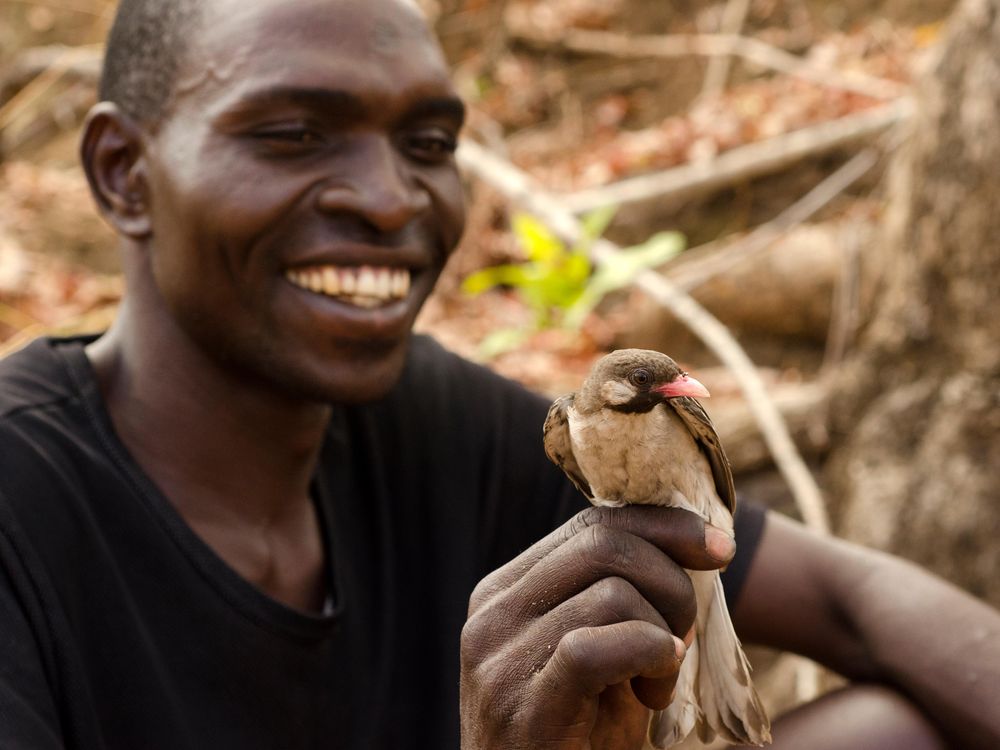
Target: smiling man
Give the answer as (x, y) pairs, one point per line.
(253, 512)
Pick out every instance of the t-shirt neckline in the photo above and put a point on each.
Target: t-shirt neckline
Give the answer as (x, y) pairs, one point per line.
(241, 594)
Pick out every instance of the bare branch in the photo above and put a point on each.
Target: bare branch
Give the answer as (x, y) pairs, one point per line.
(719, 259)
(712, 45)
(520, 189)
(733, 18)
(741, 163)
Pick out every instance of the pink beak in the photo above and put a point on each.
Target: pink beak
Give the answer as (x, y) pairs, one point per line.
(685, 385)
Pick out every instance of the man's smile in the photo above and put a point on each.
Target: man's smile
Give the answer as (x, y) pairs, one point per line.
(364, 286)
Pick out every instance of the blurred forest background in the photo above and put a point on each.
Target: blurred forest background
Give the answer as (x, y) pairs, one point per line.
(829, 169)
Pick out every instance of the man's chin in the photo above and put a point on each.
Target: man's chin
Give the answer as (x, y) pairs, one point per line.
(366, 377)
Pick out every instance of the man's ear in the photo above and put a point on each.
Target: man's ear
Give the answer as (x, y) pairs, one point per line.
(113, 156)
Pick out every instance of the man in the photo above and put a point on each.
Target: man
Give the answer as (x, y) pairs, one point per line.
(251, 514)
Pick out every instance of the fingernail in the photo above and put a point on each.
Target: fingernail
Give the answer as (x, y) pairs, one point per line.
(720, 545)
(679, 648)
(689, 638)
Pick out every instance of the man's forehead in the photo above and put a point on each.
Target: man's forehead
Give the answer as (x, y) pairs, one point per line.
(401, 19)
(238, 43)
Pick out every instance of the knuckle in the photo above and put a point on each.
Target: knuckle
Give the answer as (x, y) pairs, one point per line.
(485, 591)
(592, 516)
(615, 598)
(576, 649)
(471, 642)
(479, 637)
(605, 548)
(580, 522)
(675, 598)
(480, 594)
(686, 600)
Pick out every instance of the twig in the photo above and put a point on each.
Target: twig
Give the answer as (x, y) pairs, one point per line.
(15, 318)
(692, 275)
(733, 18)
(712, 45)
(741, 163)
(844, 317)
(803, 407)
(33, 61)
(520, 189)
(45, 80)
(63, 5)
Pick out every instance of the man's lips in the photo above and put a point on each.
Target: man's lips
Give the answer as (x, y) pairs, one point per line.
(363, 286)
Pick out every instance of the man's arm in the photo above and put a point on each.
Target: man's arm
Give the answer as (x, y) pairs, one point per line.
(875, 618)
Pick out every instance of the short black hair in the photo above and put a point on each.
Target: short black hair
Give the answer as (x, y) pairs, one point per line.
(144, 51)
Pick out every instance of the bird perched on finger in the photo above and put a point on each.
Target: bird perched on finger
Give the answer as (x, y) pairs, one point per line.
(634, 434)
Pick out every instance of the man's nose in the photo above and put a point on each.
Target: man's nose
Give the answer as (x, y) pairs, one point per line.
(377, 185)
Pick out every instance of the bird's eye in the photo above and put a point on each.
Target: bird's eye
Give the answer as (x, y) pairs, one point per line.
(641, 378)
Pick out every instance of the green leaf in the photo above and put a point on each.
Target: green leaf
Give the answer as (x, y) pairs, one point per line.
(539, 243)
(559, 284)
(594, 224)
(619, 270)
(578, 267)
(488, 278)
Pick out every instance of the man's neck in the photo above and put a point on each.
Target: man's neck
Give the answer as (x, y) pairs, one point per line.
(213, 444)
(233, 458)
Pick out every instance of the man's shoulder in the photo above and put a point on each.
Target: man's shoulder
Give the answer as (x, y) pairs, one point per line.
(34, 377)
(44, 425)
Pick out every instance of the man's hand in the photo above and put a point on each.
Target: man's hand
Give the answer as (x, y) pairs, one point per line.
(573, 642)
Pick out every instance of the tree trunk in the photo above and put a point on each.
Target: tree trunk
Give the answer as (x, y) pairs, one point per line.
(916, 465)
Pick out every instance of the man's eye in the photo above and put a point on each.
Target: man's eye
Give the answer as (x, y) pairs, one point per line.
(431, 145)
(291, 137)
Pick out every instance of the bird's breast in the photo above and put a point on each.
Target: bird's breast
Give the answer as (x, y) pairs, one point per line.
(648, 458)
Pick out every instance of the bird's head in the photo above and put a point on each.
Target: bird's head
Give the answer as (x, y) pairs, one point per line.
(635, 380)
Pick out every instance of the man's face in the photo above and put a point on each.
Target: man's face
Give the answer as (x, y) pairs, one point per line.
(303, 190)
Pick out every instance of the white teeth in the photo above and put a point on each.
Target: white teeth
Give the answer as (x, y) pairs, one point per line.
(365, 287)
(368, 302)
(400, 284)
(383, 283)
(316, 280)
(366, 283)
(348, 281)
(331, 281)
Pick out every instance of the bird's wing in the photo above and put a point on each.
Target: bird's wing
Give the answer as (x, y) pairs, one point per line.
(701, 427)
(559, 446)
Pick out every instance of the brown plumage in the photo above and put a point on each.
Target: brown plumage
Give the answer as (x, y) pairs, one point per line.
(634, 434)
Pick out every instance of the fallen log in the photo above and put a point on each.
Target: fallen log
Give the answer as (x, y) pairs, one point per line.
(785, 290)
(803, 407)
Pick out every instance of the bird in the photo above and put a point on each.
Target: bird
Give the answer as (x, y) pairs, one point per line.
(634, 433)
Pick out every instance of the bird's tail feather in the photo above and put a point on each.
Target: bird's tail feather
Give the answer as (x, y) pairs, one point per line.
(729, 702)
(714, 692)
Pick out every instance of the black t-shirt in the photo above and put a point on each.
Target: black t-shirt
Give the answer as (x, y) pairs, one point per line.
(120, 629)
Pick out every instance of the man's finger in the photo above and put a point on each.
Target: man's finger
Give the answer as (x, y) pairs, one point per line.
(589, 660)
(678, 533)
(575, 568)
(654, 693)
